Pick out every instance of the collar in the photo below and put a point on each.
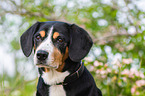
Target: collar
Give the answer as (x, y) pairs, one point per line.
(74, 76)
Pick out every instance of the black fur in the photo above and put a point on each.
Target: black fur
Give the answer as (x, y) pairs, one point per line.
(79, 43)
(27, 39)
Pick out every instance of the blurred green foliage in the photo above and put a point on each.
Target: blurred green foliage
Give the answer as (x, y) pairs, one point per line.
(116, 26)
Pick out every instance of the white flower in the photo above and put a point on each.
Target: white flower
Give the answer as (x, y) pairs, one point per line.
(140, 83)
(108, 70)
(89, 59)
(91, 68)
(125, 72)
(96, 63)
(142, 75)
(124, 79)
(127, 61)
(133, 90)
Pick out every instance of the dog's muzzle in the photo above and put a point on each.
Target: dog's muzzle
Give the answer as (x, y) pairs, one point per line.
(43, 60)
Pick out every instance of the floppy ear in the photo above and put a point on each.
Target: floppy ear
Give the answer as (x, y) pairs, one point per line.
(80, 43)
(26, 39)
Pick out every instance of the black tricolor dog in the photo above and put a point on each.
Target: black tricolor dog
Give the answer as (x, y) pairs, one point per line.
(59, 48)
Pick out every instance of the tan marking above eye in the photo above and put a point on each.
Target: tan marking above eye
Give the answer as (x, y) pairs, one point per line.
(55, 35)
(42, 33)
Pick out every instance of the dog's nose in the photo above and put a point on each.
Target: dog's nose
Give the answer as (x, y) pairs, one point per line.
(42, 55)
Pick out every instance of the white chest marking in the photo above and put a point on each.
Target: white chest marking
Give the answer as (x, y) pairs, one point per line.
(56, 90)
(51, 78)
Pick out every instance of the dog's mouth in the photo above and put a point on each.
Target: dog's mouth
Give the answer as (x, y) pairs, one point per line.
(46, 66)
(41, 65)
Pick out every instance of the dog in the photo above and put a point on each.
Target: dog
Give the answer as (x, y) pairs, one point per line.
(59, 48)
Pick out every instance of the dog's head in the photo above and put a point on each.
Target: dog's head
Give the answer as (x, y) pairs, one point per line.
(54, 42)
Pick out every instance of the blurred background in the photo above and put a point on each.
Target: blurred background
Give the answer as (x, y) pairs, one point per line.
(117, 27)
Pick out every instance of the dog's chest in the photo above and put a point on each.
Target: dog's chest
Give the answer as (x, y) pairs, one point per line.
(52, 78)
(57, 90)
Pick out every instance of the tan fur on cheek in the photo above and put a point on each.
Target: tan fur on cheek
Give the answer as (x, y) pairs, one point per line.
(65, 56)
(57, 57)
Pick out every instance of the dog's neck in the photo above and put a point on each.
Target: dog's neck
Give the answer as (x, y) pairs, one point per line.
(71, 66)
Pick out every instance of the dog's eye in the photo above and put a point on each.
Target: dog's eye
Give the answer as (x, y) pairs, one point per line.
(38, 37)
(60, 40)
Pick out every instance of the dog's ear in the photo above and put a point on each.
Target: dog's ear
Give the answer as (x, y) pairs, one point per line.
(26, 39)
(80, 43)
